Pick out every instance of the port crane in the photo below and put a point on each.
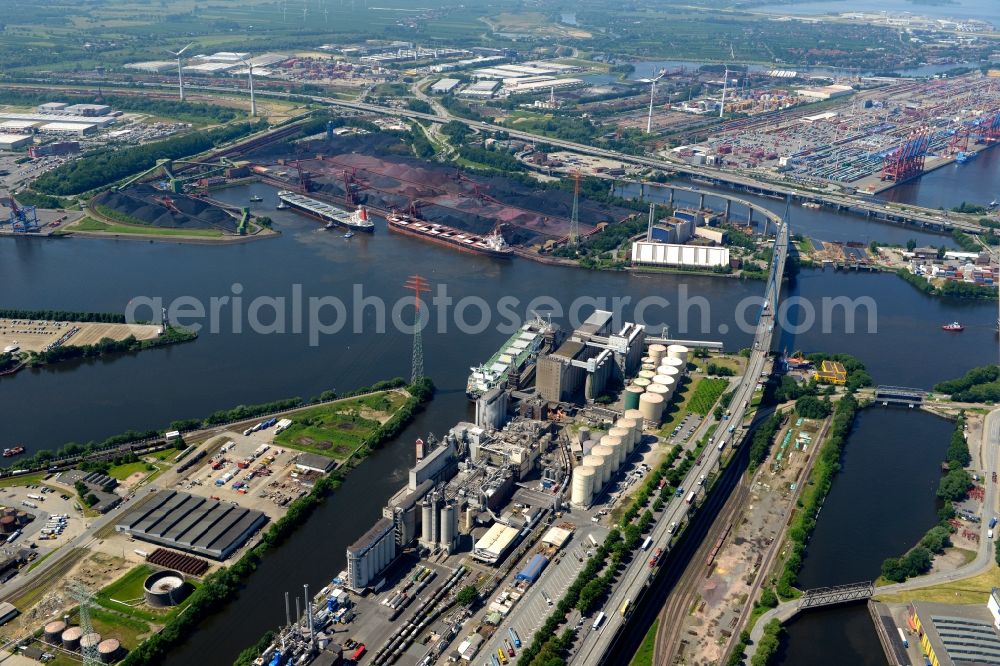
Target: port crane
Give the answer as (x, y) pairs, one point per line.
(22, 219)
(175, 182)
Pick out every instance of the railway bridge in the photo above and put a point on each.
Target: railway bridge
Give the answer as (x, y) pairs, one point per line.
(899, 395)
(841, 594)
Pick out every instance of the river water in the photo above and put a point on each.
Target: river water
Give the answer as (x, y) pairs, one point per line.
(223, 369)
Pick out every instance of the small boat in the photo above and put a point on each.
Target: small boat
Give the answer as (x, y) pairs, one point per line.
(995, 203)
(255, 198)
(16, 451)
(349, 234)
(282, 206)
(953, 326)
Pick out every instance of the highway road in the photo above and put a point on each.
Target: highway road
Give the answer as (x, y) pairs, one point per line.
(984, 555)
(595, 644)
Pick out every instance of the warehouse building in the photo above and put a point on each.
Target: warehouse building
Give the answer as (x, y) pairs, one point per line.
(668, 254)
(493, 546)
(445, 86)
(369, 556)
(485, 88)
(194, 524)
(14, 141)
(953, 635)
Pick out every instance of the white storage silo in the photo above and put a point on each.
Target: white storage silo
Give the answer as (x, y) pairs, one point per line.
(582, 489)
(661, 390)
(678, 351)
(658, 352)
(651, 406)
(678, 363)
(634, 425)
(596, 463)
(583, 435)
(647, 374)
(608, 454)
(625, 435)
(670, 371)
(617, 445)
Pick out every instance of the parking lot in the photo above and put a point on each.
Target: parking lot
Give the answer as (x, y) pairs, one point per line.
(43, 502)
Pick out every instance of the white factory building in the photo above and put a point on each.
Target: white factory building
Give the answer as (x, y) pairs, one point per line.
(445, 86)
(668, 254)
(14, 141)
(484, 88)
(493, 546)
(368, 557)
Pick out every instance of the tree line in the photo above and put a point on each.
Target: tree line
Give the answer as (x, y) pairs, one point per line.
(104, 346)
(63, 315)
(103, 166)
(977, 385)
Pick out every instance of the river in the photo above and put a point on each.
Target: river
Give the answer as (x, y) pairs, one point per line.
(219, 370)
(984, 10)
(976, 182)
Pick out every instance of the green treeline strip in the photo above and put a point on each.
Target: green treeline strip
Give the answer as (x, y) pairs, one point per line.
(977, 385)
(220, 586)
(953, 487)
(63, 315)
(952, 288)
(760, 445)
(815, 492)
(104, 166)
(108, 346)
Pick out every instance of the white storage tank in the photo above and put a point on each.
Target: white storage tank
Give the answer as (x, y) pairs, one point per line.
(670, 371)
(651, 406)
(608, 454)
(625, 435)
(669, 384)
(634, 426)
(616, 444)
(647, 374)
(657, 352)
(678, 351)
(678, 363)
(583, 435)
(596, 463)
(641, 382)
(661, 390)
(582, 489)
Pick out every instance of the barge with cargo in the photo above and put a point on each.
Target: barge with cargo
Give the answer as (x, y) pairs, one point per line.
(324, 212)
(492, 245)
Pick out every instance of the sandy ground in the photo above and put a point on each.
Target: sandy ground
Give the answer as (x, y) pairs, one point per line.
(37, 335)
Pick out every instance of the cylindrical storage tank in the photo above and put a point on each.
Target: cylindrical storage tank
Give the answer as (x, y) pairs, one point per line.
(648, 367)
(596, 463)
(668, 383)
(657, 352)
(8, 524)
(678, 363)
(617, 446)
(582, 489)
(165, 588)
(634, 425)
(109, 651)
(10, 512)
(649, 359)
(670, 371)
(641, 382)
(632, 394)
(447, 526)
(663, 379)
(651, 406)
(661, 390)
(633, 414)
(426, 522)
(583, 435)
(91, 640)
(625, 435)
(608, 454)
(647, 374)
(71, 638)
(22, 518)
(53, 631)
(678, 351)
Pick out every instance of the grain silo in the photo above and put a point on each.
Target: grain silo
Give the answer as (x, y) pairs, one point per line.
(632, 394)
(649, 359)
(678, 351)
(598, 464)
(651, 406)
(449, 527)
(617, 445)
(658, 352)
(609, 460)
(53, 631)
(625, 435)
(71, 638)
(641, 382)
(109, 651)
(647, 374)
(91, 640)
(647, 366)
(634, 426)
(660, 390)
(670, 371)
(678, 363)
(582, 490)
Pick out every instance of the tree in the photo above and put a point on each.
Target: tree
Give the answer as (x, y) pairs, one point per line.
(954, 485)
(911, 245)
(941, 251)
(812, 407)
(467, 595)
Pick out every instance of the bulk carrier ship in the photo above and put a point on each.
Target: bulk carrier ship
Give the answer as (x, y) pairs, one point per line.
(333, 216)
(520, 349)
(492, 245)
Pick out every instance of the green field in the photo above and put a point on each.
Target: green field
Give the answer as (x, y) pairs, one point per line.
(90, 224)
(644, 655)
(337, 430)
(128, 589)
(705, 395)
(122, 472)
(26, 480)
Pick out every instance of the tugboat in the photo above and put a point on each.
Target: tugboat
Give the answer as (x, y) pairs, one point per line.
(16, 451)
(282, 206)
(256, 198)
(953, 326)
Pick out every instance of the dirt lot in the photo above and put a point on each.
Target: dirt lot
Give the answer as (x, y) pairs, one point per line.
(37, 335)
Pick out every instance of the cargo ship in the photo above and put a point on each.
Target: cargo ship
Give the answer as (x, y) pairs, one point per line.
(962, 158)
(519, 349)
(16, 451)
(492, 245)
(333, 216)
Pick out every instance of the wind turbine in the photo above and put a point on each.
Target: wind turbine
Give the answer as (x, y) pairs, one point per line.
(652, 92)
(180, 73)
(253, 101)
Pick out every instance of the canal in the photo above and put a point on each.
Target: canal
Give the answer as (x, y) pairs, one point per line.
(227, 367)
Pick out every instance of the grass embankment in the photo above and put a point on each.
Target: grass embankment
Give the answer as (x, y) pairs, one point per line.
(974, 590)
(644, 655)
(26, 480)
(340, 428)
(220, 586)
(89, 224)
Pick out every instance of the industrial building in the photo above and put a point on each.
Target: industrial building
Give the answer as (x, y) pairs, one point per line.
(831, 372)
(953, 635)
(493, 546)
(14, 141)
(486, 88)
(194, 524)
(589, 359)
(670, 254)
(369, 556)
(826, 92)
(445, 86)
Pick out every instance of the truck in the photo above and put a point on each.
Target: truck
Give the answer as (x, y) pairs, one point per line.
(592, 540)
(514, 637)
(598, 621)
(647, 543)
(722, 445)
(902, 638)
(359, 652)
(690, 497)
